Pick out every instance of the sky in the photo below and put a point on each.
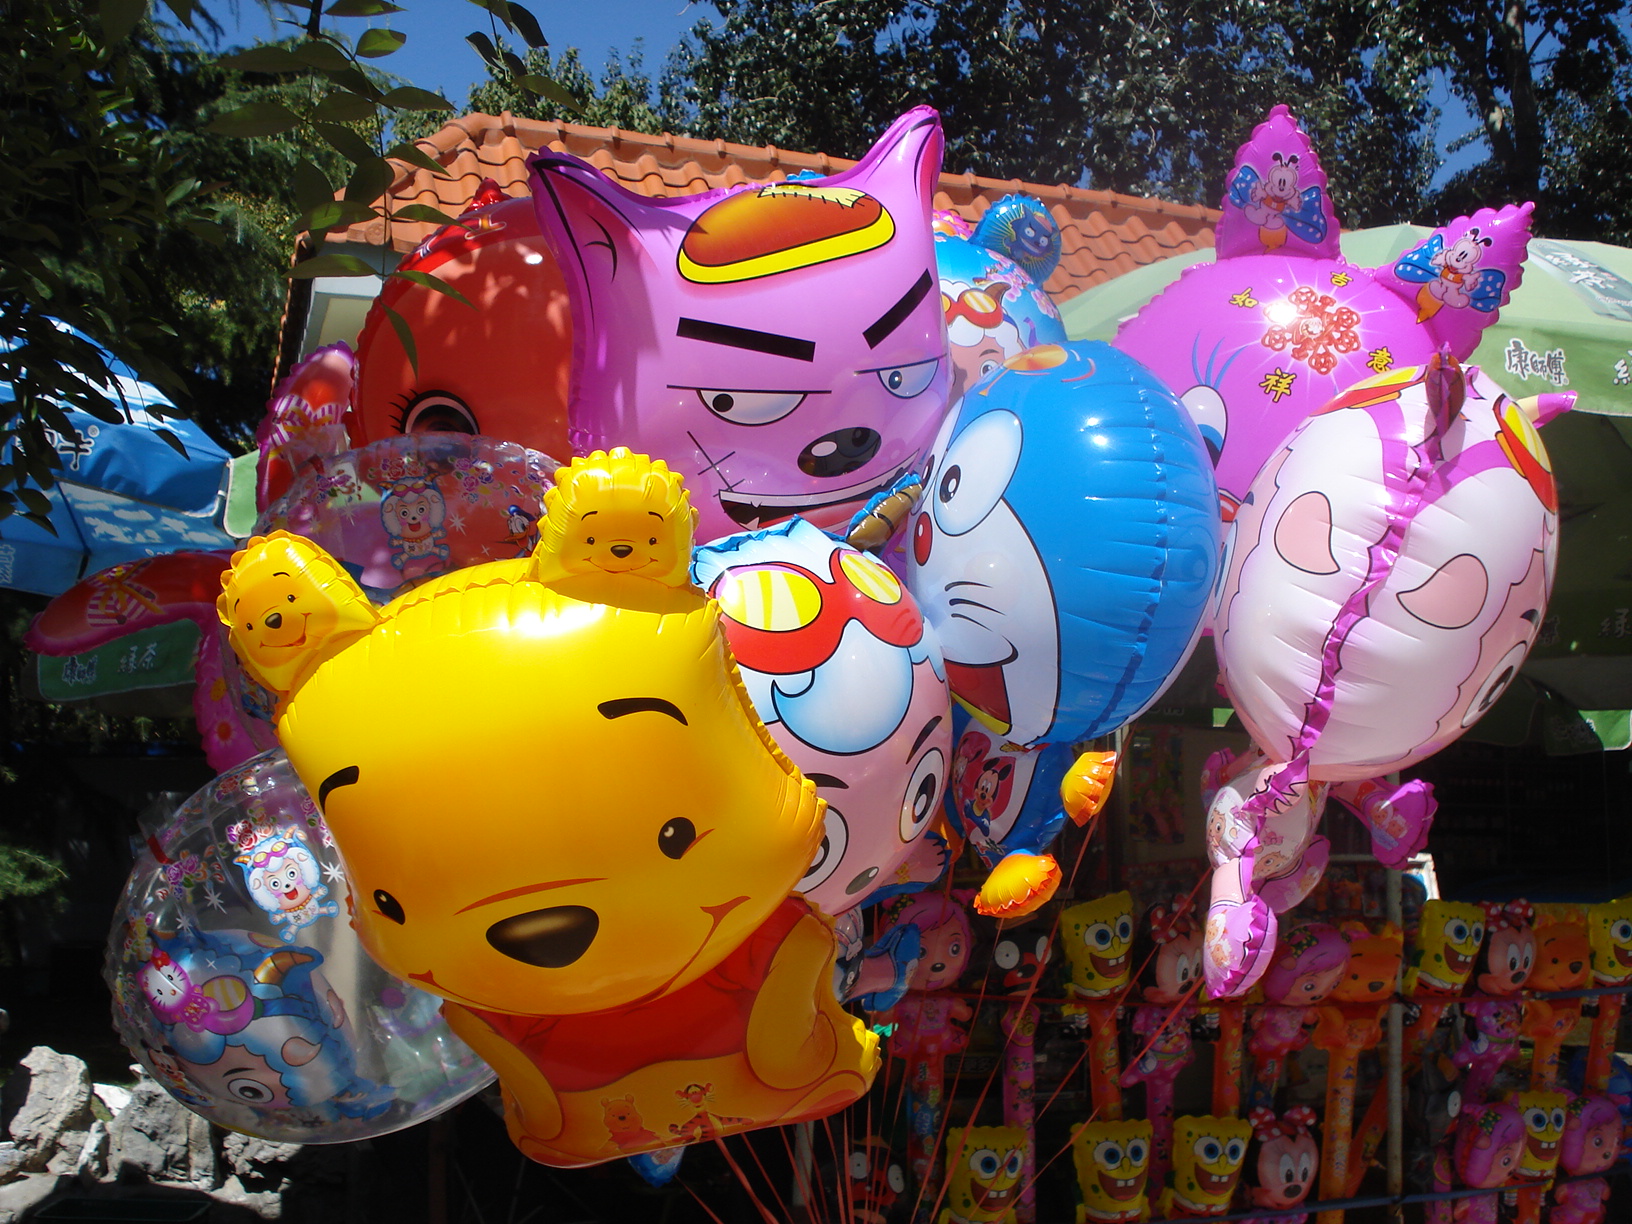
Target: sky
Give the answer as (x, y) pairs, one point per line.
(436, 56)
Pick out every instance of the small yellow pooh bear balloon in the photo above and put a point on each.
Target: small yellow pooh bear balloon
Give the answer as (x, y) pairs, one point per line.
(1449, 935)
(559, 811)
(1113, 1166)
(1207, 1156)
(983, 1183)
(289, 603)
(1098, 939)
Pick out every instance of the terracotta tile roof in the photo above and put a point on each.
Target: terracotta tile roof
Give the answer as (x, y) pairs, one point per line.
(1105, 234)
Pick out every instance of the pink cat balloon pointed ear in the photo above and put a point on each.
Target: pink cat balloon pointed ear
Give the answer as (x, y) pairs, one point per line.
(781, 345)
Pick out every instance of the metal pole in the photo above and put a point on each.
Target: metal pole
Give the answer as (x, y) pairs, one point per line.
(1395, 1071)
(804, 1162)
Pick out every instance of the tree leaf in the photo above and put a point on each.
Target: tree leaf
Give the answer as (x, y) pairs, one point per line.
(415, 156)
(36, 501)
(432, 282)
(343, 106)
(422, 212)
(312, 187)
(556, 92)
(404, 334)
(119, 17)
(255, 119)
(356, 80)
(370, 180)
(330, 265)
(524, 23)
(346, 142)
(376, 43)
(408, 97)
(362, 8)
(484, 47)
(322, 55)
(263, 59)
(332, 214)
(514, 62)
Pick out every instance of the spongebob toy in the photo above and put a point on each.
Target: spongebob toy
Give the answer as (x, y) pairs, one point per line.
(1113, 1166)
(1609, 932)
(1449, 935)
(1207, 1156)
(558, 811)
(983, 1182)
(1098, 937)
(1544, 1116)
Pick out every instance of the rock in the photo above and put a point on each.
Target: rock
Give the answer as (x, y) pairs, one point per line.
(69, 1146)
(113, 1097)
(47, 1103)
(92, 1164)
(268, 1204)
(18, 1198)
(258, 1164)
(150, 1139)
(11, 1161)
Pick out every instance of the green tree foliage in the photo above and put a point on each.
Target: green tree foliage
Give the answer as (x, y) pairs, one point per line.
(623, 99)
(1549, 86)
(1148, 97)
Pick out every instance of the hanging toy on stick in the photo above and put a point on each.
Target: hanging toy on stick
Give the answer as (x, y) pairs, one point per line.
(1281, 1161)
(1591, 1145)
(1113, 1171)
(1208, 1154)
(660, 960)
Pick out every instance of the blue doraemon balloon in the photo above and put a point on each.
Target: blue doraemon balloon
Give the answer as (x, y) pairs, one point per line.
(1066, 545)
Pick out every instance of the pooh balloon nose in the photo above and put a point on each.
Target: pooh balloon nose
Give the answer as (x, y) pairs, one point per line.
(524, 861)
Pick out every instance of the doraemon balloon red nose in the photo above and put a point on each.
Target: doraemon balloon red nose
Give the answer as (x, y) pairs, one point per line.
(780, 345)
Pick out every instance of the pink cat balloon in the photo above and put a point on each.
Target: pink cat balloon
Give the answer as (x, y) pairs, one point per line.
(1281, 322)
(780, 345)
(1389, 572)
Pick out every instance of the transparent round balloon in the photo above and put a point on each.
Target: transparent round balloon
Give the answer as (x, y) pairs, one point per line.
(239, 984)
(405, 509)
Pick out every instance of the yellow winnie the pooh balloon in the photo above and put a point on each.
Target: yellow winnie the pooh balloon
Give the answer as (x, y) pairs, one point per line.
(559, 812)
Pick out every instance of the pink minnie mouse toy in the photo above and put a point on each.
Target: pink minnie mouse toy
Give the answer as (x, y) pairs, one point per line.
(1282, 1160)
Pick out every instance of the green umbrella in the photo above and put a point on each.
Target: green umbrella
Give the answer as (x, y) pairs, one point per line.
(1567, 327)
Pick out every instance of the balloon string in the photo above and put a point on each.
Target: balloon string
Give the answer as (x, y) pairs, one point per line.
(696, 1198)
(742, 1178)
(776, 1194)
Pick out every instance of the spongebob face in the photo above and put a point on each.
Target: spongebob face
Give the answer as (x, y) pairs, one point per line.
(1544, 1115)
(1098, 940)
(1207, 1157)
(1609, 930)
(984, 1183)
(1113, 1163)
(1448, 941)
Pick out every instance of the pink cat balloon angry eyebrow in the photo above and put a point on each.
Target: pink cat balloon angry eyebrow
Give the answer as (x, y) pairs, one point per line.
(782, 345)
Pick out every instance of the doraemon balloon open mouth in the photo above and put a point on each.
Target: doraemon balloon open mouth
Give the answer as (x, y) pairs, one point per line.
(755, 510)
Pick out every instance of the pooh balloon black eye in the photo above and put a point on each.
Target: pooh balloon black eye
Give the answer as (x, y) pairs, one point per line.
(676, 837)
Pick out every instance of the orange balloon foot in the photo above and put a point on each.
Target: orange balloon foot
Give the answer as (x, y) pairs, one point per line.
(1087, 785)
(1021, 884)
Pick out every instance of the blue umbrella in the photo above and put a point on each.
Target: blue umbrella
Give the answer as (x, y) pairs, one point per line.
(122, 493)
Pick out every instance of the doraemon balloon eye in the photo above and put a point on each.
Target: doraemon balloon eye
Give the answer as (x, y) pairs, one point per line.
(970, 480)
(1206, 408)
